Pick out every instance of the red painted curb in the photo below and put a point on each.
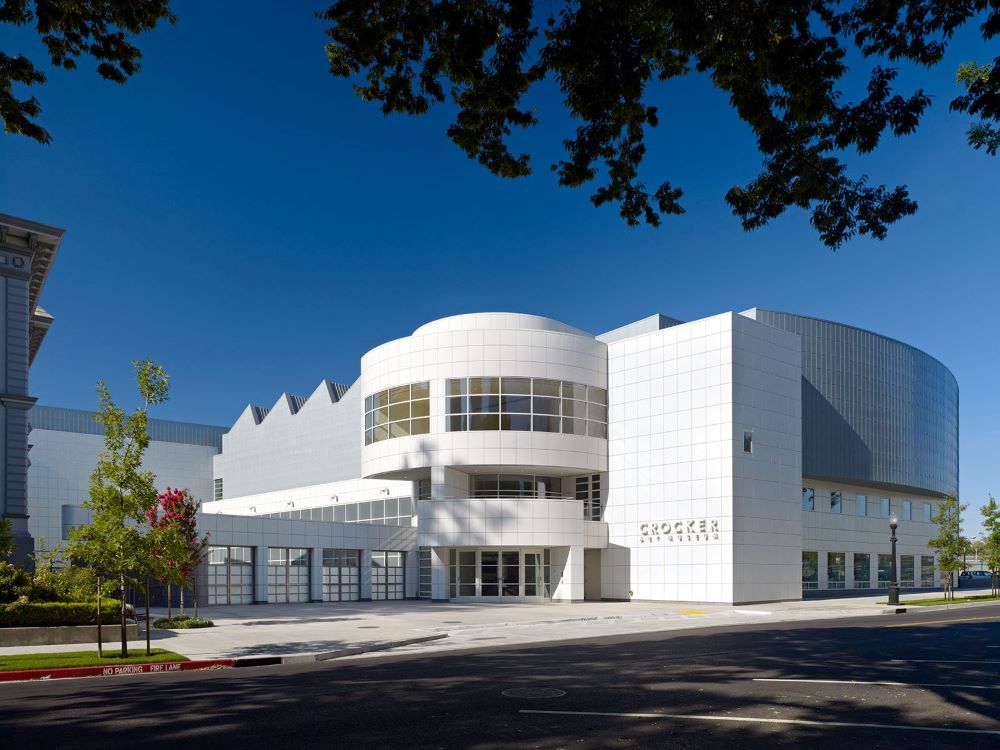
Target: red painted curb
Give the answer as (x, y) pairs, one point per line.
(112, 670)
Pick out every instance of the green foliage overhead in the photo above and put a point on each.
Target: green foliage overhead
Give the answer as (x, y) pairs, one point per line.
(781, 64)
(71, 29)
(949, 542)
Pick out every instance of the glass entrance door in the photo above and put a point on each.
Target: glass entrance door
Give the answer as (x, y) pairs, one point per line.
(511, 572)
(533, 583)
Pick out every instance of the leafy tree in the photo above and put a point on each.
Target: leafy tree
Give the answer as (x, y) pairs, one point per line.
(990, 549)
(781, 63)
(69, 30)
(982, 84)
(949, 542)
(178, 548)
(7, 541)
(121, 492)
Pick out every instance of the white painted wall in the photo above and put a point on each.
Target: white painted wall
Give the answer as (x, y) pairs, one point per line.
(483, 344)
(62, 462)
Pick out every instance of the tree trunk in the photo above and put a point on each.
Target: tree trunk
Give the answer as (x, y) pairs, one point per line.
(100, 628)
(182, 599)
(147, 616)
(124, 624)
(196, 593)
(169, 605)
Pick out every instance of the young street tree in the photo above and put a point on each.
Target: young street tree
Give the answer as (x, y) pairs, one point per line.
(114, 543)
(178, 548)
(990, 543)
(949, 542)
(781, 63)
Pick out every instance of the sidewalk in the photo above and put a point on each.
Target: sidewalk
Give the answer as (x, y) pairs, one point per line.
(286, 629)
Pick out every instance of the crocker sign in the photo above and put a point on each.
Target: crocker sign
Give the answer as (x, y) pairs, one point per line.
(689, 530)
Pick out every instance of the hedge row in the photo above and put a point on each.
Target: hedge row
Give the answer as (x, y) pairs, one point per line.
(47, 614)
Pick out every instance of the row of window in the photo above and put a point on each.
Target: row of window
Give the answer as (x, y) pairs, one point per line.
(231, 574)
(392, 511)
(526, 404)
(861, 505)
(836, 570)
(489, 403)
(514, 485)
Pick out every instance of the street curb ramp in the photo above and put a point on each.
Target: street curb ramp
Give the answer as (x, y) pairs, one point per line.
(266, 661)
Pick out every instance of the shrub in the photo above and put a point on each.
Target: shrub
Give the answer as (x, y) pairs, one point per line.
(48, 614)
(182, 622)
(15, 582)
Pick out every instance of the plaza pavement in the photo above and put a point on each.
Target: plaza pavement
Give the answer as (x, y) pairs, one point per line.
(290, 629)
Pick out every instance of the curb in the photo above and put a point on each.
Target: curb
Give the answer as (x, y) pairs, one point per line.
(110, 670)
(265, 661)
(938, 607)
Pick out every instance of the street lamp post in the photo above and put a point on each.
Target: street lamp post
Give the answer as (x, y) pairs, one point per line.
(894, 583)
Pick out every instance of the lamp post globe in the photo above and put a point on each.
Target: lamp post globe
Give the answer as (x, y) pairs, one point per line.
(894, 582)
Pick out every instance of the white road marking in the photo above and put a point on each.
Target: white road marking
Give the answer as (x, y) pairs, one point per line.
(942, 661)
(891, 684)
(757, 720)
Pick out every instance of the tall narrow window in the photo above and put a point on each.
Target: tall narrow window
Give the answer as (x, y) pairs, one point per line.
(836, 564)
(836, 502)
(808, 498)
(928, 512)
(883, 507)
(748, 442)
(862, 570)
(861, 504)
(588, 491)
(907, 514)
(218, 489)
(810, 569)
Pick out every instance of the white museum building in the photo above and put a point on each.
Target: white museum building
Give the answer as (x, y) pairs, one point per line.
(745, 457)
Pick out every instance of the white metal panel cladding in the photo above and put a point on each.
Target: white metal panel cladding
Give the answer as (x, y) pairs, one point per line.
(873, 409)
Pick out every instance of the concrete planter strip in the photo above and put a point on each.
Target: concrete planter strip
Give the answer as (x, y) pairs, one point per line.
(51, 636)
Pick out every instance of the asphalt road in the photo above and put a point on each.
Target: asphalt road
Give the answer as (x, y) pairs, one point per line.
(920, 680)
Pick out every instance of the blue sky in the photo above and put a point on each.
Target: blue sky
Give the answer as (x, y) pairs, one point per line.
(239, 215)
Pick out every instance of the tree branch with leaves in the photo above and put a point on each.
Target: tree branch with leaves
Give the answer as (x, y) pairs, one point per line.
(782, 64)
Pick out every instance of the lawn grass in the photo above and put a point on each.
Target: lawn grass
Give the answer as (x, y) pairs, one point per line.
(57, 659)
(956, 600)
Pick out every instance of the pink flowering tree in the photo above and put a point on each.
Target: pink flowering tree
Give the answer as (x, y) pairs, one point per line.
(176, 546)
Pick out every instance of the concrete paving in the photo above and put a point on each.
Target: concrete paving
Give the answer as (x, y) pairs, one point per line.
(287, 629)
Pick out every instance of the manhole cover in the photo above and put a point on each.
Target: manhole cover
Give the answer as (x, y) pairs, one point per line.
(533, 692)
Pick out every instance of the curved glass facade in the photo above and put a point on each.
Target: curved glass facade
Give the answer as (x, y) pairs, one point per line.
(536, 404)
(397, 412)
(873, 409)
